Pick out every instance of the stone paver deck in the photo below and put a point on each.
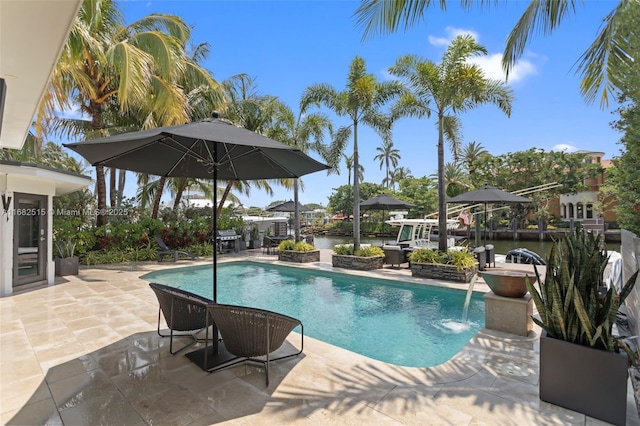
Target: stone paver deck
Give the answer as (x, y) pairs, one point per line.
(85, 352)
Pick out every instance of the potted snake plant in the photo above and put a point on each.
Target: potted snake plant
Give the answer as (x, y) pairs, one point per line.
(583, 366)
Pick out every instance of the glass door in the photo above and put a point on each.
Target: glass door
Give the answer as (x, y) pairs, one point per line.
(29, 239)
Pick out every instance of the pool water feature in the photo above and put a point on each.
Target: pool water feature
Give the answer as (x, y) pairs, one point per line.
(399, 323)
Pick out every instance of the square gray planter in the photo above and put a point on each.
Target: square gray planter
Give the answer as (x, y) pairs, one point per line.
(66, 266)
(590, 381)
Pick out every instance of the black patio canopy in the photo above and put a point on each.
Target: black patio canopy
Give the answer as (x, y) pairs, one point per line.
(384, 202)
(288, 206)
(210, 149)
(488, 194)
(188, 150)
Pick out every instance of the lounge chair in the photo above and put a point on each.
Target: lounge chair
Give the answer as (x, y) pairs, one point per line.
(249, 333)
(184, 313)
(166, 251)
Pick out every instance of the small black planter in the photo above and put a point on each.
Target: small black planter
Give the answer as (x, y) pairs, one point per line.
(590, 381)
(66, 266)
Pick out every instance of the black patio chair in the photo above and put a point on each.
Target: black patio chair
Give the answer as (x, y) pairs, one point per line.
(394, 255)
(166, 251)
(269, 245)
(184, 313)
(253, 334)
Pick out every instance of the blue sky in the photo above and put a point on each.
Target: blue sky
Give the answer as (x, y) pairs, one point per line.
(289, 45)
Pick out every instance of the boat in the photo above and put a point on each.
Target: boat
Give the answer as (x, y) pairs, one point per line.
(422, 233)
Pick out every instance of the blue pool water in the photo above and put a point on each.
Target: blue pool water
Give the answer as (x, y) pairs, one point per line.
(402, 324)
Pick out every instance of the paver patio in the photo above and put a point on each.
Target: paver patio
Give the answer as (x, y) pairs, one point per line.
(85, 352)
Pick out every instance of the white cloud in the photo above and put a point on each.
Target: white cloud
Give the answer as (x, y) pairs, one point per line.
(386, 75)
(492, 66)
(564, 147)
(451, 33)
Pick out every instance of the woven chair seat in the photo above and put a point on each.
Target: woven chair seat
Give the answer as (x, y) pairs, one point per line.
(249, 333)
(183, 311)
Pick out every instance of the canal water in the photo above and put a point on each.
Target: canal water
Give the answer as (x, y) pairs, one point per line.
(542, 248)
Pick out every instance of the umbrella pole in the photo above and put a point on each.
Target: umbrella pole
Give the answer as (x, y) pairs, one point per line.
(215, 233)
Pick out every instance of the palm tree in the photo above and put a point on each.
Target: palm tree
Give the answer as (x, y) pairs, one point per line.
(136, 67)
(456, 181)
(470, 153)
(398, 174)
(453, 86)
(305, 131)
(388, 156)
(601, 66)
(348, 161)
(361, 101)
(247, 108)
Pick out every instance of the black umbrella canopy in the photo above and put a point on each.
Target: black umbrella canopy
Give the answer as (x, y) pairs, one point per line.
(288, 206)
(384, 202)
(188, 150)
(488, 194)
(210, 149)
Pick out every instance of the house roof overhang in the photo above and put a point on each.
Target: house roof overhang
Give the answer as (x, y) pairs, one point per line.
(64, 181)
(32, 35)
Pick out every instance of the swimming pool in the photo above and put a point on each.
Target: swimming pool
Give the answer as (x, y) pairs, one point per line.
(402, 324)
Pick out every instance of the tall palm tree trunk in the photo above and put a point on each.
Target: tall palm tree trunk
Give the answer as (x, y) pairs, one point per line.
(157, 197)
(356, 190)
(95, 110)
(296, 210)
(112, 187)
(122, 176)
(442, 205)
(176, 202)
(227, 189)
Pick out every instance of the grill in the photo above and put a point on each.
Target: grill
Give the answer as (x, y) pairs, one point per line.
(227, 240)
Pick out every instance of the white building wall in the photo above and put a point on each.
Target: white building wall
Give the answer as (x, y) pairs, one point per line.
(9, 185)
(586, 197)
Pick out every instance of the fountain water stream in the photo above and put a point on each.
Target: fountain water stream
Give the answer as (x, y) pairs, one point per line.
(467, 300)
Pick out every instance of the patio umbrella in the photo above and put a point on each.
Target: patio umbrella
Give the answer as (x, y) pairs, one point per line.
(210, 149)
(289, 206)
(488, 194)
(384, 202)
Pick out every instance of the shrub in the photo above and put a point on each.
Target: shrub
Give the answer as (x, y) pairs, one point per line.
(369, 251)
(461, 259)
(344, 249)
(302, 246)
(286, 245)
(347, 250)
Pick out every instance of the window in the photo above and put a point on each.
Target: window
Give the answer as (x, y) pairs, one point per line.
(580, 211)
(589, 211)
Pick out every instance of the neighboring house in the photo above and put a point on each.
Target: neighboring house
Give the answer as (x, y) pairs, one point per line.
(32, 35)
(588, 204)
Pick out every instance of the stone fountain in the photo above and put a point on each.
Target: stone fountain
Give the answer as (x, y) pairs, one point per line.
(508, 305)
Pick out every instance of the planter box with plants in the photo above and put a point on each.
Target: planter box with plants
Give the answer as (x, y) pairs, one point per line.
(242, 242)
(583, 367)
(364, 259)
(254, 238)
(454, 265)
(66, 262)
(301, 252)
